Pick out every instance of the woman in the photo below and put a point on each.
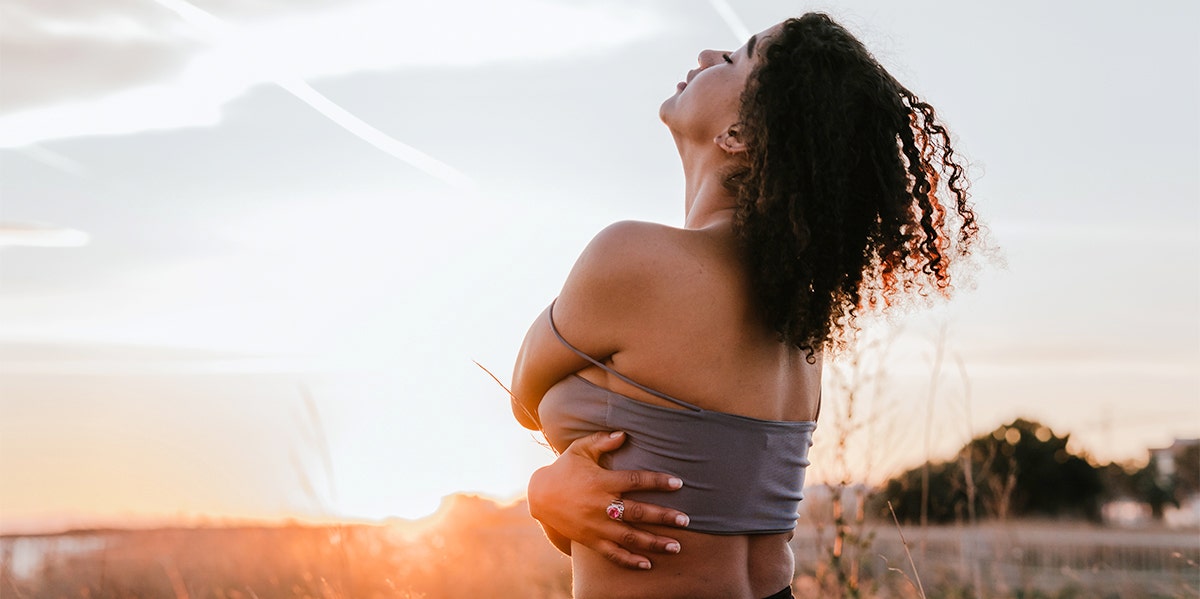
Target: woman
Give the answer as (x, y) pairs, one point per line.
(812, 193)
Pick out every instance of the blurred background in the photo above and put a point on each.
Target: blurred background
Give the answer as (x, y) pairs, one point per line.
(251, 250)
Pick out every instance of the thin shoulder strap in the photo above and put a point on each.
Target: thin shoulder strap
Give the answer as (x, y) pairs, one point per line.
(553, 327)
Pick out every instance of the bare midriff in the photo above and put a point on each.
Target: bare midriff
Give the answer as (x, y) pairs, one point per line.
(718, 566)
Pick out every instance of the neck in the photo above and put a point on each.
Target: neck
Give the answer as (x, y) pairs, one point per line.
(707, 201)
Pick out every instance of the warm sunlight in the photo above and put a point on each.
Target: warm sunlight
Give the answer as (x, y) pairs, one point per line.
(251, 253)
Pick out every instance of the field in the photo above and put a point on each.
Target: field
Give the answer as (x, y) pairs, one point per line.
(476, 548)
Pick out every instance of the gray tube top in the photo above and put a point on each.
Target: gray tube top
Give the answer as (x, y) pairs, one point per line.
(740, 475)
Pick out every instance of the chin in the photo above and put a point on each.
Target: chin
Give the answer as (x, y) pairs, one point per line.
(666, 109)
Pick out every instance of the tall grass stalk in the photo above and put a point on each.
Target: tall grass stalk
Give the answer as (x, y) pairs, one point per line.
(857, 382)
(904, 542)
(935, 375)
(969, 485)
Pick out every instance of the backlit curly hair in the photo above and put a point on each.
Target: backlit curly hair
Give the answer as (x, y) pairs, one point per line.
(840, 208)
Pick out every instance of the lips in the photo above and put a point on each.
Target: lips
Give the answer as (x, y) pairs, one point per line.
(685, 82)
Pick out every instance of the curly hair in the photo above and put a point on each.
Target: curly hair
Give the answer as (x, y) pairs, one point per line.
(839, 205)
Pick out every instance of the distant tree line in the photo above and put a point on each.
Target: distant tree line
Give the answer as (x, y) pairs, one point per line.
(1024, 469)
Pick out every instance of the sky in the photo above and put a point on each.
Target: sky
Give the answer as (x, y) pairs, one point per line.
(250, 252)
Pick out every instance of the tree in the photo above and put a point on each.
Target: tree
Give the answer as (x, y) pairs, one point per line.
(1020, 469)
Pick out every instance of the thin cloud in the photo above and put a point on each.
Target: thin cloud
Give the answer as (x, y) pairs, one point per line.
(56, 52)
(159, 367)
(331, 110)
(70, 358)
(40, 235)
(223, 58)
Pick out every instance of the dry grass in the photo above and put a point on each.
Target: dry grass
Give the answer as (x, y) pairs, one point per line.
(477, 548)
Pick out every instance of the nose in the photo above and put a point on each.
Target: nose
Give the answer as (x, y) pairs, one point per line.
(708, 58)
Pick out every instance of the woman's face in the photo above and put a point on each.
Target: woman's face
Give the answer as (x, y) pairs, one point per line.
(706, 103)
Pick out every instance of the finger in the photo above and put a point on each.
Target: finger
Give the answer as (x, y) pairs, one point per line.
(621, 556)
(595, 444)
(636, 539)
(648, 513)
(623, 481)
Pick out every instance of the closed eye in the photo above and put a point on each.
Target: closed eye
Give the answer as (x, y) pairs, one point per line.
(727, 57)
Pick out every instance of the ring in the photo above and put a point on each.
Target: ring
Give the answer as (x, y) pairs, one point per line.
(616, 509)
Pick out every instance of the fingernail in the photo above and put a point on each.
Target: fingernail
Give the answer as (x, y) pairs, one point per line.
(682, 520)
(644, 565)
(674, 483)
(615, 434)
(673, 547)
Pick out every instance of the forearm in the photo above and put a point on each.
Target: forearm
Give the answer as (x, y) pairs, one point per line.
(572, 494)
(540, 497)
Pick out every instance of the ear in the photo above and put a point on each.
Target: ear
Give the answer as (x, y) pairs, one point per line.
(731, 141)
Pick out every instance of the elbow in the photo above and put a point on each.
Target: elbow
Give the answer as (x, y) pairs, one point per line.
(525, 417)
(525, 411)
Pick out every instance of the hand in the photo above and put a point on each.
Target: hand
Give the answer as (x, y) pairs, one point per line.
(570, 496)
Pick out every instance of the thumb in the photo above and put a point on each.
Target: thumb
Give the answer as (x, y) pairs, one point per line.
(595, 444)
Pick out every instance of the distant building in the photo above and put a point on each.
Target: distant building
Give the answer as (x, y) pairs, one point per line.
(1168, 461)
(1166, 458)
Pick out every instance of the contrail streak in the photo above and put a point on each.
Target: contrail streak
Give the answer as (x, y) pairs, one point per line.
(379, 139)
(331, 110)
(53, 159)
(731, 19)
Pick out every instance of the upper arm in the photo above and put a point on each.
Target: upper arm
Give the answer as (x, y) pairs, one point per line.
(541, 362)
(596, 311)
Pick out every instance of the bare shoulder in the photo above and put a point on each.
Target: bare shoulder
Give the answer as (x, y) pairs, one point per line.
(629, 270)
(628, 238)
(640, 253)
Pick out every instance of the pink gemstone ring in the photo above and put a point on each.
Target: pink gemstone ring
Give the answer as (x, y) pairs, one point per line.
(616, 509)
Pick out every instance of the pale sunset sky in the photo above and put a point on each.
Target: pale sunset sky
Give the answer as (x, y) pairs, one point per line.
(249, 251)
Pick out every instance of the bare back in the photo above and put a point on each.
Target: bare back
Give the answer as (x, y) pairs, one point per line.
(703, 341)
